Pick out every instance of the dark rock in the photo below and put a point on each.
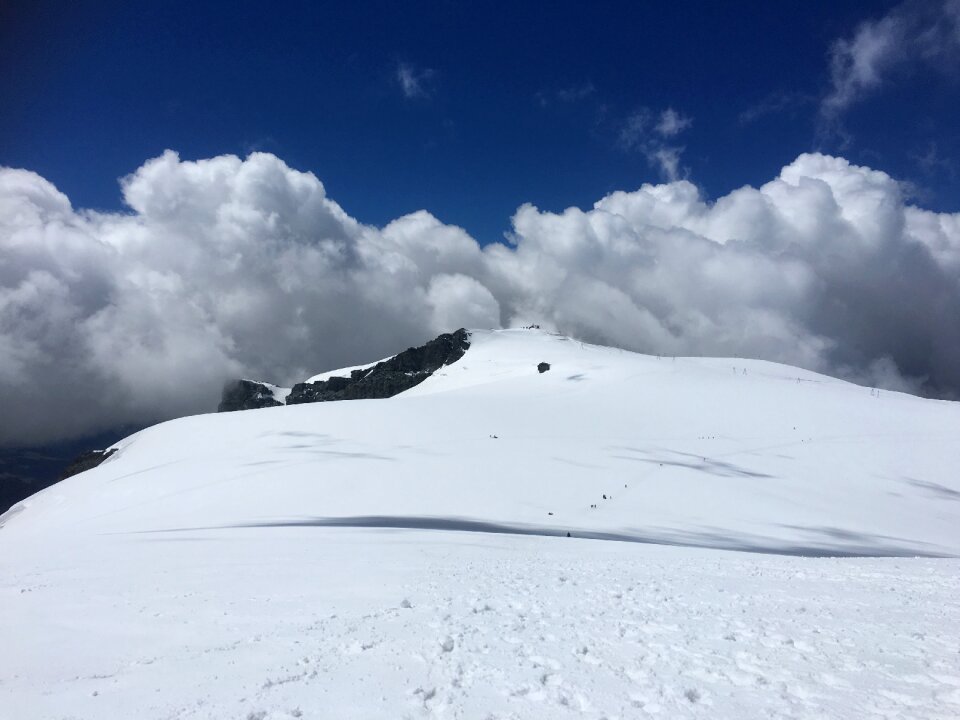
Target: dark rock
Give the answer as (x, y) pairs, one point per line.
(86, 461)
(388, 378)
(246, 395)
(543, 367)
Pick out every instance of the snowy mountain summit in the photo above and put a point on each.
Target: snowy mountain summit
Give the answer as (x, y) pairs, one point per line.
(739, 454)
(447, 551)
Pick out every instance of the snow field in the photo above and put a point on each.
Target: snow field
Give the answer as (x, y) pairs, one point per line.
(359, 623)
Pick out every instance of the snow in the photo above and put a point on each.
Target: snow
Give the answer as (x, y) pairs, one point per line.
(232, 624)
(787, 548)
(276, 392)
(341, 372)
(279, 393)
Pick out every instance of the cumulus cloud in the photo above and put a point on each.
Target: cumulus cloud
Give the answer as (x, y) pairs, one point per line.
(233, 267)
(917, 33)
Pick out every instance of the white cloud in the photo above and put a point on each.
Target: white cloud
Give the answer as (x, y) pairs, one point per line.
(913, 34)
(634, 130)
(228, 267)
(640, 132)
(857, 64)
(672, 123)
(414, 82)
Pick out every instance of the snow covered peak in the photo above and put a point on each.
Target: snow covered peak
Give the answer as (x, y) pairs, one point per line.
(696, 451)
(504, 354)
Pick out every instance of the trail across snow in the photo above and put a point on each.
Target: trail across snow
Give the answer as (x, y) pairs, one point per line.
(409, 558)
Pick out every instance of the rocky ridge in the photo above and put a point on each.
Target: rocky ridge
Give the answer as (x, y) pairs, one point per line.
(383, 380)
(246, 395)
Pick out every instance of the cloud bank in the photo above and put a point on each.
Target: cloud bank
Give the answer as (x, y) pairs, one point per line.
(232, 267)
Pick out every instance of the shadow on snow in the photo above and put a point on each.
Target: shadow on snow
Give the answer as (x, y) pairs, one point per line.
(825, 542)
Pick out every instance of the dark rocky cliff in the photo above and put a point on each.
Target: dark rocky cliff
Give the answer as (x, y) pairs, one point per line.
(246, 395)
(383, 380)
(387, 378)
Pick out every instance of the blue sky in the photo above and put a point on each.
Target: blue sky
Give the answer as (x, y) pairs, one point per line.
(503, 103)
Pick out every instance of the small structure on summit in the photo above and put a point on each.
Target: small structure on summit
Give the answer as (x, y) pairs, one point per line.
(543, 367)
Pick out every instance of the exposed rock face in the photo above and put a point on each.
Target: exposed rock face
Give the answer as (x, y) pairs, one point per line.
(86, 461)
(390, 377)
(543, 367)
(246, 395)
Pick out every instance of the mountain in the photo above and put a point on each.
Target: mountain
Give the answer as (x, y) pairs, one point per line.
(615, 535)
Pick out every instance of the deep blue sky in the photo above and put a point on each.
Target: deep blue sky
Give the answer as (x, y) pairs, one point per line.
(521, 103)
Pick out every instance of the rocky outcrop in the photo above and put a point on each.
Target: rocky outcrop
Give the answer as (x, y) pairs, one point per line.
(387, 378)
(86, 461)
(543, 367)
(246, 395)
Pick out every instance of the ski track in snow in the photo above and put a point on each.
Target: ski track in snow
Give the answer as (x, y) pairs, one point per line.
(339, 623)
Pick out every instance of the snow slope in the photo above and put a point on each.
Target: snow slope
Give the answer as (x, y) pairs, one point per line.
(279, 393)
(408, 557)
(690, 450)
